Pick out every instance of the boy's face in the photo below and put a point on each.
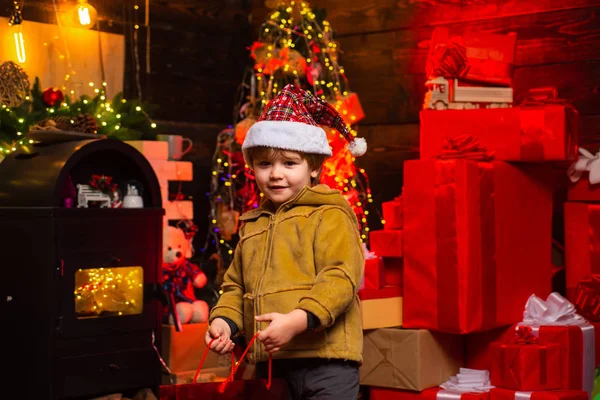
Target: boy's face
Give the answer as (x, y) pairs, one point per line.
(282, 176)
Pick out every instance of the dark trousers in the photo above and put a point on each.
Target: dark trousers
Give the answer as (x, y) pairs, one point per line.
(315, 378)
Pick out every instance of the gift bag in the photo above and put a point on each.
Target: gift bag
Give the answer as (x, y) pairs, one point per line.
(259, 389)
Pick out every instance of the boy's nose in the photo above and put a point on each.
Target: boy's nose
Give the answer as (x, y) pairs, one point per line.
(276, 172)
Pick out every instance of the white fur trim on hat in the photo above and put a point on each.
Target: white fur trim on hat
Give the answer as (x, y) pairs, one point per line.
(287, 135)
(357, 147)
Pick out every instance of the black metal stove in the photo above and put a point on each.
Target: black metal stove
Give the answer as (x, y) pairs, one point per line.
(77, 289)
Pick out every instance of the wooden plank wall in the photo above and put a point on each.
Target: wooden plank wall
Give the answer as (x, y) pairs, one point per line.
(385, 44)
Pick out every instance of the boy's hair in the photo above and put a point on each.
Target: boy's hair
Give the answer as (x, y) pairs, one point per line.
(314, 161)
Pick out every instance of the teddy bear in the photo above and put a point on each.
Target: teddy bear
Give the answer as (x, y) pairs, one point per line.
(180, 277)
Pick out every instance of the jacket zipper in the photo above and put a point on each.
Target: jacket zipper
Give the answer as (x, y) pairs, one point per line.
(271, 227)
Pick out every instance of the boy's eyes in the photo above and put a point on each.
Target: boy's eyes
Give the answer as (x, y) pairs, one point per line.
(268, 163)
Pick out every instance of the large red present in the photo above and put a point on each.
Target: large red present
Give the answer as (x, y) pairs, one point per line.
(582, 243)
(554, 321)
(393, 213)
(533, 133)
(525, 364)
(374, 274)
(482, 57)
(376, 393)
(465, 266)
(393, 271)
(386, 242)
(507, 394)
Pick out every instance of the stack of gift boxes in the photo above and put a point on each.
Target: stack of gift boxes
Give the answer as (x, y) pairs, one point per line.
(472, 237)
(157, 154)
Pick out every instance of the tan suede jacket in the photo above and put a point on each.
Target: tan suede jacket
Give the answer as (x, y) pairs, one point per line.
(305, 255)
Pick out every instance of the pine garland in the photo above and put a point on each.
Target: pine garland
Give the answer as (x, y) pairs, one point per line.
(118, 118)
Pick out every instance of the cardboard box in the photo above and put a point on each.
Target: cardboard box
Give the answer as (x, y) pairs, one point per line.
(409, 359)
(466, 268)
(151, 149)
(582, 243)
(381, 308)
(183, 351)
(544, 133)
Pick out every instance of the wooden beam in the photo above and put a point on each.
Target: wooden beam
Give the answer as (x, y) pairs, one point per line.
(356, 17)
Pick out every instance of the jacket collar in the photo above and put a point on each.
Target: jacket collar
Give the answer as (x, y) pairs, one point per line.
(268, 208)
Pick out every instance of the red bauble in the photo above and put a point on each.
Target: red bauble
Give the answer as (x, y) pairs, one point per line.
(51, 96)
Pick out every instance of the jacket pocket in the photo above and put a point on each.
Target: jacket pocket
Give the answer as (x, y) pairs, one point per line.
(284, 302)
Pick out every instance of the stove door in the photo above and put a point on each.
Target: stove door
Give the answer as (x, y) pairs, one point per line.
(108, 292)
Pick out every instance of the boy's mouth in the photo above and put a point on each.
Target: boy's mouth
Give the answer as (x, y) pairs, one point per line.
(277, 187)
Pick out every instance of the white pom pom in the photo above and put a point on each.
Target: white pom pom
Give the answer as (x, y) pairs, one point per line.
(357, 147)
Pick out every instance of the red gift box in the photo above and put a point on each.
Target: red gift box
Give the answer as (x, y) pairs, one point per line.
(374, 274)
(386, 243)
(478, 349)
(383, 293)
(393, 213)
(587, 297)
(533, 133)
(507, 394)
(465, 266)
(376, 393)
(583, 190)
(393, 271)
(482, 57)
(577, 344)
(582, 173)
(525, 364)
(596, 326)
(582, 243)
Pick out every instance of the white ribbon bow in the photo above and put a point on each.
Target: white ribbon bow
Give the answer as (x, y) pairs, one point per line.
(556, 310)
(369, 255)
(469, 380)
(586, 162)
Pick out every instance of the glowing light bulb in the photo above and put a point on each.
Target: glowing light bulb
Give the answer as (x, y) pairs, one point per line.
(85, 14)
(15, 23)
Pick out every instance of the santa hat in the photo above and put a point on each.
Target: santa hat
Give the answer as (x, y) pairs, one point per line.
(291, 122)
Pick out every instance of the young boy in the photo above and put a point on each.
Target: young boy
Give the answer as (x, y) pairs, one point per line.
(299, 261)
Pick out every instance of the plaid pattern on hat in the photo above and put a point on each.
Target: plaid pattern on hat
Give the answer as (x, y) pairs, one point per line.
(291, 121)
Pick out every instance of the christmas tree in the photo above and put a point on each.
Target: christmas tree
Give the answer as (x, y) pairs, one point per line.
(295, 45)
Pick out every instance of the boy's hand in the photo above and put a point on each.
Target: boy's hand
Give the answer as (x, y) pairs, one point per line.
(282, 328)
(219, 330)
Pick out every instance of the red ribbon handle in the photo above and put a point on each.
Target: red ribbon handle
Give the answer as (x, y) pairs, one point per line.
(234, 365)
